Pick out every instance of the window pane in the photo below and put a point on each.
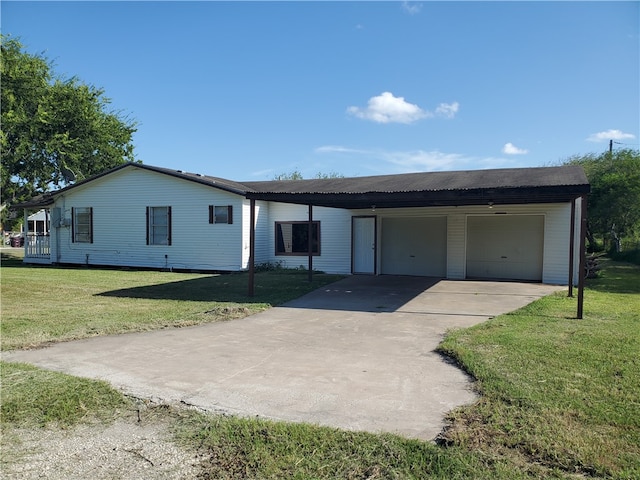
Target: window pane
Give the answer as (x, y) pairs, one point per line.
(159, 235)
(221, 214)
(82, 225)
(292, 238)
(159, 225)
(160, 216)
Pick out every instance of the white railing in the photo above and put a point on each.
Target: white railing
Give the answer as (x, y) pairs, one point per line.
(37, 246)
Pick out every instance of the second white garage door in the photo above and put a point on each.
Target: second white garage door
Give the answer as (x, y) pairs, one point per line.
(506, 247)
(414, 246)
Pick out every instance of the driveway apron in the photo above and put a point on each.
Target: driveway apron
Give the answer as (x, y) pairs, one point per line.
(357, 354)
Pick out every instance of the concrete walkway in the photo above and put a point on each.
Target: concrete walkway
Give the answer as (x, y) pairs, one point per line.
(357, 354)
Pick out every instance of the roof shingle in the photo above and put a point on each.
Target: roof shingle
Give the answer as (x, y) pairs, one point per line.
(510, 185)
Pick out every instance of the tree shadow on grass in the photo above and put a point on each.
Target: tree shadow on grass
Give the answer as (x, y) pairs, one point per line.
(617, 278)
(11, 260)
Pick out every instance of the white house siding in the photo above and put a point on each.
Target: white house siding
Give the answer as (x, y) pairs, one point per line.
(262, 251)
(456, 234)
(335, 237)
(119, 202)
(555, 264)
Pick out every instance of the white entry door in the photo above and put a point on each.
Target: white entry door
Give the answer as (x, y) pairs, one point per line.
(363, 245)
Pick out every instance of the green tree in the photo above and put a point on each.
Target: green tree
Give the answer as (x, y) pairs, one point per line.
(614, 202)
(294, 175)
(297, 175)
(53, 130)
(328, 175)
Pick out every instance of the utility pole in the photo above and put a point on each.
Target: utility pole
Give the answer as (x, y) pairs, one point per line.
(610, 146)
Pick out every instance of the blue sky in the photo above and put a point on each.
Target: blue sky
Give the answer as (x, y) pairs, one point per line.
(249, 90)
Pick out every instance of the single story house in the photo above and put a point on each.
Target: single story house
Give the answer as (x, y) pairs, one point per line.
(516, 224)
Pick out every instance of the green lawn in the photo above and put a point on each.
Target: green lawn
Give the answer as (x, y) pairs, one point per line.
(560, 396)
(49, 304)
(558, 391)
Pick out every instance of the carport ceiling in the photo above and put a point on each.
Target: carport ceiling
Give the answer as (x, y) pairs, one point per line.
(474, 187)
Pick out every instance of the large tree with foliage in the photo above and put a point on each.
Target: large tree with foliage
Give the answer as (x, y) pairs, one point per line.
(53, 130)
(614, 202)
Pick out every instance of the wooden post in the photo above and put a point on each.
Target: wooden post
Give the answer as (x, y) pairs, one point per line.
(582, 273)
(572, 241)
(252, 246)
(310, 244)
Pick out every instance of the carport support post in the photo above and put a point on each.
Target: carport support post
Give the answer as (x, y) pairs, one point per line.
(572, 241)
(583, 254)
(252, 245)
(310, 244)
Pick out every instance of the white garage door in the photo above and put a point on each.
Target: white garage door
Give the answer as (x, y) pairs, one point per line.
(414, 246)
(505, 247)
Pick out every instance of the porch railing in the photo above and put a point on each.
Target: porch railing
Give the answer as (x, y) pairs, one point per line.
(37, 246)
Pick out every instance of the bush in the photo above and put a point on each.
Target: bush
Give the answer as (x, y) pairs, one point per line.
(631, 256)
(269, 266)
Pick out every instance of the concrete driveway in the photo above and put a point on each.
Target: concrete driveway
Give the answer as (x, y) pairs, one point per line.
(357, 354)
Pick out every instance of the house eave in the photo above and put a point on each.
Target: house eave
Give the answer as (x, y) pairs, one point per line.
(493, 196)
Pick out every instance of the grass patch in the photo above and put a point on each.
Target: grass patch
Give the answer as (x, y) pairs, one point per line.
(50, 304)
(556, 391)
(32, 397)
(232, 447)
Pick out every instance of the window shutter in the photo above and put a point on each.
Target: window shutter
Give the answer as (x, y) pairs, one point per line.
(73, 225)
(90, 224)
(169, 225)
(211, 213)
(147, 225)
(230, 214)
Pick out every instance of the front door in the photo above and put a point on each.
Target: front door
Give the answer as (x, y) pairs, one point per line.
(363, 245)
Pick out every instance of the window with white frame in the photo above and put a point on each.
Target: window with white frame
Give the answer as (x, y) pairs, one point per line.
(158, 225)
(221, 214)
(82, 225)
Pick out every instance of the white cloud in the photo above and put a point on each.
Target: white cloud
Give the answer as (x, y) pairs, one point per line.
(386, 108)
(262, 173)
(378, 161)
(419, 160)
(447, 110)
(338, 149)
(609, 135)
(511, 149)
(411, 8)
